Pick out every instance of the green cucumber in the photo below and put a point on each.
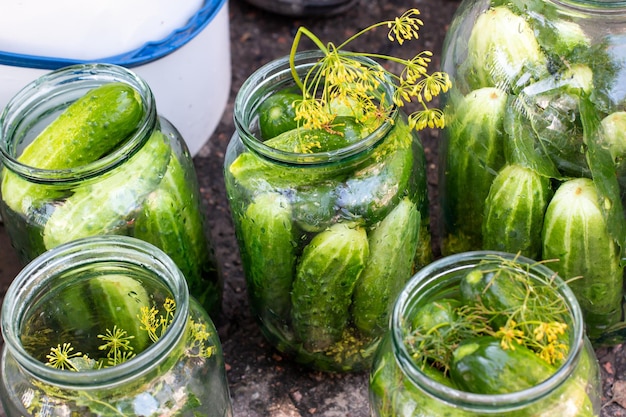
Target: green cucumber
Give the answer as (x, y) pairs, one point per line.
(481, 365)
(268, 251)
(436, 315)
(372, 192)
(119, 300)
(253, 173)
(514, 211)
(277, 113)
(160, 224)
(344, 132)
(471, 159)
(392, 246)
(328, 270)
(88, 129)
(105, 205)
(171, 219)
(500, 289)
(502, 51)
(575, 234)
(315, 206)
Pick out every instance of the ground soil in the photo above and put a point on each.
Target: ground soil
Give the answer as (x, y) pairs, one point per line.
(263, 382)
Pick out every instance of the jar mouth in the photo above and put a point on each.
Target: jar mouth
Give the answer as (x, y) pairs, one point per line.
(599, 7)
(35, 279)
(61, 88)
(277, 75)
(429, 281)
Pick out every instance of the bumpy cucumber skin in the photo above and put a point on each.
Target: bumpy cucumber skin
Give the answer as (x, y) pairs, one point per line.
(472, 156)
(120, 299)
(105, 205)
(392, 246)
(483, 366)
(267, 240)
(89, 128)
(514, 211)
(325, 278)
(576, 235)
(171, 219)
(277, 114)
(499, 289)
(436, 314)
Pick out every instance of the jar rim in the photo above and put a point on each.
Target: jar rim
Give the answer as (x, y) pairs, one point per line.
(421, 284)
(278, 72)
(595, 6)
(64, 80)
(29, 283)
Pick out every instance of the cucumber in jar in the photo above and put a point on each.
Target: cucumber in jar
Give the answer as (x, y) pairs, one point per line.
(326, 275)
(86, 130)
(576, 236)
(392, 244)
(269, 254)
(514, 211)
(106, 206)
(471, 158)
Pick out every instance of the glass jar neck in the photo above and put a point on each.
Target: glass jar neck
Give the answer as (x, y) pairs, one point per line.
(276, 76)
(615, 8)
(27, 112)
(71, 264)
(445, 273)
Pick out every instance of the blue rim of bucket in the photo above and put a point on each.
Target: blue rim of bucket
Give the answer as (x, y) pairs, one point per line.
(150, 51)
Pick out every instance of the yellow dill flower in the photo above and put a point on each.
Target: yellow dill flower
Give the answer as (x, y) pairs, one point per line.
(118, 345)
(510, 336)
(60, 357)
(342, 76)
(405, 27)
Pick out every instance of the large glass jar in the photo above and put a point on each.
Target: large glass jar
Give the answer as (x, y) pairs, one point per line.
(532, 158)
(105, 326)
(496, 378)
(328, 238)
(65, 188)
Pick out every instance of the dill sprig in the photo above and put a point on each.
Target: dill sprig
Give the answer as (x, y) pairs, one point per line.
(340, 77)
(538, 321)
(117, 342)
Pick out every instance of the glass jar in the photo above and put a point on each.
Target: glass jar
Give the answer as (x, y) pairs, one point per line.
(327, 239)
(304, 8)
(532, 158)
(400, 386)
(145, 187)
(93, 299)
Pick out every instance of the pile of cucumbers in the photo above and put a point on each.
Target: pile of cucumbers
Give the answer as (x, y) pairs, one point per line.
(326, 247)
(532, 160)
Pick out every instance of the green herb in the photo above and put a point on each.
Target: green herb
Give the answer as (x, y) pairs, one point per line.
(342, 78)
(533, 316)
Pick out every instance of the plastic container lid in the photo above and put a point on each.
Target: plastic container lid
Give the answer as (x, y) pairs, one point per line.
(66, 32)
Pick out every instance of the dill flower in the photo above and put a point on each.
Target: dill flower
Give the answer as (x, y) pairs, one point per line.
(339, 76)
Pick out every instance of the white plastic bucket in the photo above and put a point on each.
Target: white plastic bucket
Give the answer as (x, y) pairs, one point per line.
(188, 70)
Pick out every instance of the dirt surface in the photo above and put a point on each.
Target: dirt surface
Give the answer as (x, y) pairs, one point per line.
(263, 383)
